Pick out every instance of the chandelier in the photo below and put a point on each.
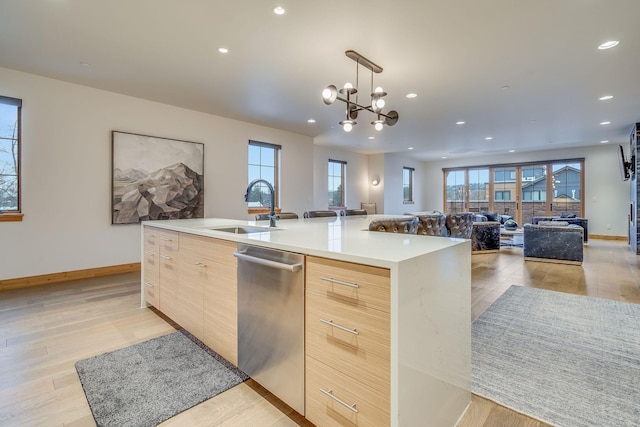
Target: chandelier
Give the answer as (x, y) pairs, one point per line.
(330, 94)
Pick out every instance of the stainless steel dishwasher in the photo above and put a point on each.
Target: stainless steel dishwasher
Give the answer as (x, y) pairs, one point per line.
(271, 321)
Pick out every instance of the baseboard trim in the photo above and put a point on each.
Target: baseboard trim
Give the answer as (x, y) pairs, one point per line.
(607, 237)
(26, 282)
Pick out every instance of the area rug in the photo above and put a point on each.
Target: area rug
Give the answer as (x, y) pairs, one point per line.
(147, 383)
(567, 360)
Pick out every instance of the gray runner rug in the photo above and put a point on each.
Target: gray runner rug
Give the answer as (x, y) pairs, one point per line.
(147, 383)
(567, 360)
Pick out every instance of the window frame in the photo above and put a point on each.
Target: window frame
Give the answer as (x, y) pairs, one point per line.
(343, 174)
(408, 200)
(521, 211)
(276, 174)
(15, 215)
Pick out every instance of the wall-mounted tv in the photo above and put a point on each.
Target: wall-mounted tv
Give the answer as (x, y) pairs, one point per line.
(627, 168)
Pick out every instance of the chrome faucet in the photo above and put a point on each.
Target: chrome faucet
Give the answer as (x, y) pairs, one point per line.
(272, 215)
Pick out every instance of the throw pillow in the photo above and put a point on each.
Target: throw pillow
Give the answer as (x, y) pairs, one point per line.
(491, 216)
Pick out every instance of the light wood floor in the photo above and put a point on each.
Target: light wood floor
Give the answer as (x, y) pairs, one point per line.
(46, 329)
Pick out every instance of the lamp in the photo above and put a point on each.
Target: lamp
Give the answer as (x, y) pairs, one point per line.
(375, 182)
(330, 94)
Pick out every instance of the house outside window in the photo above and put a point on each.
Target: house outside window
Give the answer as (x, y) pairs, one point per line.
(336, 175)
(10, 120)
(264, 160)
(407, 184)
(502, 195)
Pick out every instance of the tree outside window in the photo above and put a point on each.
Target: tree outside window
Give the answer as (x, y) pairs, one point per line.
(407, 184)
(263, 164)
(336, 175)
(10, 109)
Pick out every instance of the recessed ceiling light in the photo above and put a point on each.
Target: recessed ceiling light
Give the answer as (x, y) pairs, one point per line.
(443, 157)
(505, 87)
(489, 138)
(605, 123)
(311, 121)
(410, 148)
(608, 45)
(603, 142)
(85, 64)
(512, 151)
(412, 95)
(223, 50)
(372, 137)
(279, 10)
(460, 122)
(606, 97)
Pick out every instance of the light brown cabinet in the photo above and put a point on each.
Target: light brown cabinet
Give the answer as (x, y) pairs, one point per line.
(208, 293)
(160, 266)
(192, 279)
(347, 343)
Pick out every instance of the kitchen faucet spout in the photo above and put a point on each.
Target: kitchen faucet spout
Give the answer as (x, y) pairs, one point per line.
(272, 215)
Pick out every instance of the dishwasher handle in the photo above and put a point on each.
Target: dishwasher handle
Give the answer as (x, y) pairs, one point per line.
(275, 264)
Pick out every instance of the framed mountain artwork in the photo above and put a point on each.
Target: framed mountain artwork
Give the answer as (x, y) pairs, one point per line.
(155, 178)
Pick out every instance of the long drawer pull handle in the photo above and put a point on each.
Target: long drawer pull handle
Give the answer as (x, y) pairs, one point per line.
(342, 328)
(340, 401)
(275, 264)
(166, 239)
(340, 282)
(199, 264)
(165, 257)
(149, 253)
(148, 284)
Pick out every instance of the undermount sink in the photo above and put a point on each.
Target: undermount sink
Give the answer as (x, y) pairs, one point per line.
(242, 229)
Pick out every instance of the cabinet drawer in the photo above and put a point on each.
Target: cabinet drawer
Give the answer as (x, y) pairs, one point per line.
(151, 293)
(160, 237)
(151, 263)
(355, 284)
(220, 251)
(354, 340)
(372, 405)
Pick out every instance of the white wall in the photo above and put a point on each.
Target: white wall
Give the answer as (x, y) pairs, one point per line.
(393, 194)
(606, 195)
(357, 177)
(66, 172)
(376, 171)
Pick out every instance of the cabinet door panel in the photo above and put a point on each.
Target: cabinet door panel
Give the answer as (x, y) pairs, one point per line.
(372, 405)
(355, 283)
(353, 340)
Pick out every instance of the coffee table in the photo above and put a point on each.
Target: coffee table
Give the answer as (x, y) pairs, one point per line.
(512, 237)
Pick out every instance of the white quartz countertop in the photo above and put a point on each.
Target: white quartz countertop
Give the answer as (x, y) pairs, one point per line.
(343, 238)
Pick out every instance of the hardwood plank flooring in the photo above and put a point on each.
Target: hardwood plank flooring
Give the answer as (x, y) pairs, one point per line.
(44, 330)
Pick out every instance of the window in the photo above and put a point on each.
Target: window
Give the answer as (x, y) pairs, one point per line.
(10, 109)
(502, 195)
(337, 172)
(407, 184)
(521, 190)
(263, 164)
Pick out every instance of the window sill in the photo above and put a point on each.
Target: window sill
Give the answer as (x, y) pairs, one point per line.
(408, 202)
(11, 217)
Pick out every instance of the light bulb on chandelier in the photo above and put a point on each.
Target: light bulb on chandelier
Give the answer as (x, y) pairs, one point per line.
(330, 94)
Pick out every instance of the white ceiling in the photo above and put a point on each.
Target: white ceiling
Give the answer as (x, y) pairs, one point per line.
(457, 55)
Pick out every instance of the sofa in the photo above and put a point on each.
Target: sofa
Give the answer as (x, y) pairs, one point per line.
(432, 223)
(485, 237)
(582, 222)
(553, 241)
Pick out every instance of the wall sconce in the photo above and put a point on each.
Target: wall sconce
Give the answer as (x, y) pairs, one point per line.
(375, 182)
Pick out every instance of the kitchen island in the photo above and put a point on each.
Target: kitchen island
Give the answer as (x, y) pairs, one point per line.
(405, 357)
